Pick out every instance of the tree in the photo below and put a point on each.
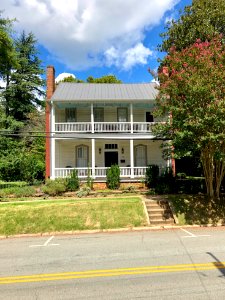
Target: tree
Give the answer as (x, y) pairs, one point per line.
(91, 79)
(7, 51)
(104, 79)
(192, 90)
(201, 20)
(71, 79)
(24, 84)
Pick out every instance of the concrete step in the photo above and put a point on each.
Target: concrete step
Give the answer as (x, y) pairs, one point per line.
(159, 212)
(162, 222)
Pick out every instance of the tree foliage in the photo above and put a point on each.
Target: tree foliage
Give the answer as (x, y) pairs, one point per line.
(7, 51)
(201, 20)
(104, 79)
(91, 79)
(71, 79)
(24, 84)
(192, 90)
(21, 152)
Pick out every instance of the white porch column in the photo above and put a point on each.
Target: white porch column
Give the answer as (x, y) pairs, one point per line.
(92, 118)
(132, 158)
(93, 157)
(131, 117)
(52, 141)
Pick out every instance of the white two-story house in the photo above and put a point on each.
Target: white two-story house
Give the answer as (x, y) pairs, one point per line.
(89, 127)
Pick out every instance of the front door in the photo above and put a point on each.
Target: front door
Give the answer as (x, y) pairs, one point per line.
(111, 158)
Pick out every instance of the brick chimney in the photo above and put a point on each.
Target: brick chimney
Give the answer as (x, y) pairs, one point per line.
(50, 81)
(50, 90)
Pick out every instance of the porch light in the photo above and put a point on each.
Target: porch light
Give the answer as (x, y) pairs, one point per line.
(122, 150)
(99, 150)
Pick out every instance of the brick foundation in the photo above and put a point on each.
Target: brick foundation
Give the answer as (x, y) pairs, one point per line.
(123, 185)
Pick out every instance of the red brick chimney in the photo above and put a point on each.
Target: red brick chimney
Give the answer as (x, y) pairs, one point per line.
(50, 90)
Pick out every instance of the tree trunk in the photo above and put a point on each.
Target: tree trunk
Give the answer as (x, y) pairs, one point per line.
(208, 169)
(219, 175)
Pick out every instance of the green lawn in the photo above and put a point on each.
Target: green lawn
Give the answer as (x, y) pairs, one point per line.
(64, 215)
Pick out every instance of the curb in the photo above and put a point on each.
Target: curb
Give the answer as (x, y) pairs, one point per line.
(116, 230)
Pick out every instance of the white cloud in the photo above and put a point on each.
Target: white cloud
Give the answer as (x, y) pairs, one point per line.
(127, 59)
(63, 75)
(79, 32)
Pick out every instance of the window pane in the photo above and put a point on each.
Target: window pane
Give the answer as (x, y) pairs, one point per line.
(98, 114)
(70, 114)
(122, 114)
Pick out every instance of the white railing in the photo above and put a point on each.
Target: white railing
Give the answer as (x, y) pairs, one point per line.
(65, 172)
(100, 172)
(112, 127)
(73, 127)
(142, 127)
(138, 127)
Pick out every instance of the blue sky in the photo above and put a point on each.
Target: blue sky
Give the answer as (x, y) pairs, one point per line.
(96, 37)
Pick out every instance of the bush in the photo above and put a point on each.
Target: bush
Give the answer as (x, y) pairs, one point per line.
(191, 185)
(21, 166)
(55, 187)
(151, 176)
(165, 183)
(72, 182)
(83, 192)
(25, 191)
(113, 177)
(4, 184)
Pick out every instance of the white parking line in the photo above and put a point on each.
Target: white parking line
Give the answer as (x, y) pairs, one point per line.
(191, 235)
(46, 243)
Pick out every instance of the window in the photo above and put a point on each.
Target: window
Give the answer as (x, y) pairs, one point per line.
(98, 114)
(70, 114)
(122, 114)
(82, 156)
(149, 117)
(140, 156)
(111, 146)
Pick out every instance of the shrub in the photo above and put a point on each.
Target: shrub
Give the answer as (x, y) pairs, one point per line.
(55, 187)
(191, 185)
(165, 183)
(9, 184)
(25, 191)
(151, 176)
(72, 182)
(89, 179)
(83, 192)
(113, 177)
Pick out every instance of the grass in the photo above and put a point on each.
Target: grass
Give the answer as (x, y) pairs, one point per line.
(66, 215)
(198, 209)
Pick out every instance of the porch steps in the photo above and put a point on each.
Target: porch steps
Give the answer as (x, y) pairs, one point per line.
(159, 212)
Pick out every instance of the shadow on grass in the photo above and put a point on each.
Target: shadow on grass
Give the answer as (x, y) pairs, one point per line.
(198, 209)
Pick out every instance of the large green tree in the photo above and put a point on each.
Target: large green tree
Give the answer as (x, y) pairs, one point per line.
(201, 20)
(7, 50)
(24, 85)
(192, 90)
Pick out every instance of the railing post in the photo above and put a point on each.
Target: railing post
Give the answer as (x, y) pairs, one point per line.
(93, 157)
(132, 158)
(92, 118)
(52, 142)
(131, 117)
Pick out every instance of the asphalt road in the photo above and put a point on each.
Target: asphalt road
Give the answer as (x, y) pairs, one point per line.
(167, 264)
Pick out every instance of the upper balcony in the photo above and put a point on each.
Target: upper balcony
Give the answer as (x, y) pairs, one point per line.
(104, 127)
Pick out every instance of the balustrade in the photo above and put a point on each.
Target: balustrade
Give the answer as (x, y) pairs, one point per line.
(138, 127)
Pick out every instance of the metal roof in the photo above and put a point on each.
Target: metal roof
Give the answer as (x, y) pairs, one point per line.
(67, 91)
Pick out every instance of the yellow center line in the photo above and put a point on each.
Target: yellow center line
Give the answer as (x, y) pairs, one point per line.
(112, 272)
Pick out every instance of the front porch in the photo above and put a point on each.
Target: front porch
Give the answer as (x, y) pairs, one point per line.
(92, 158)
